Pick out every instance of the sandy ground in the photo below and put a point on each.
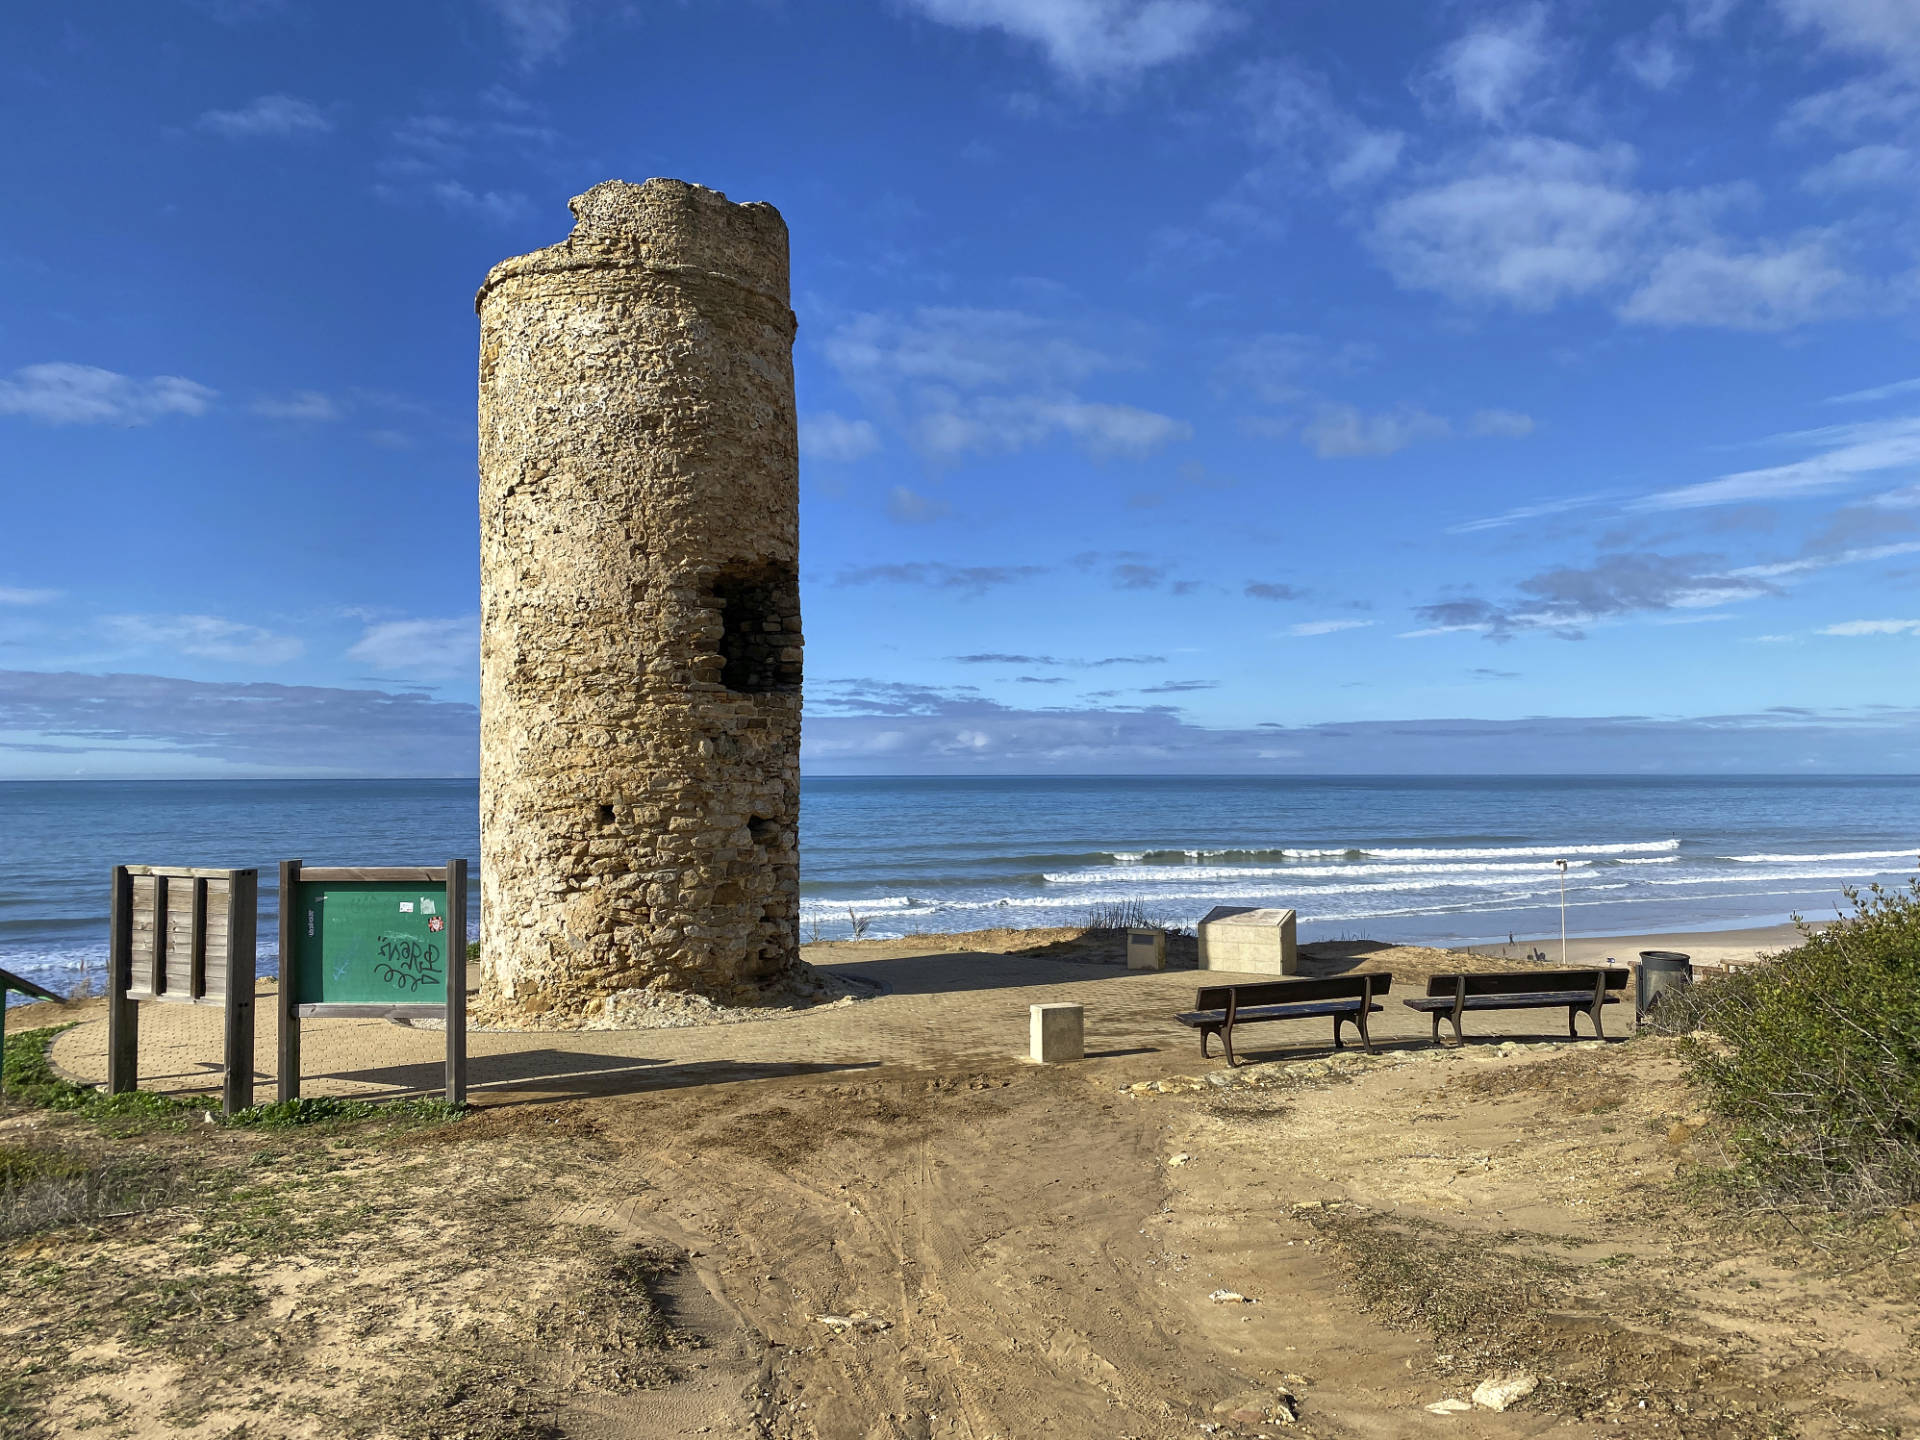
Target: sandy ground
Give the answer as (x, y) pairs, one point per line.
(1711, 948)
(873, 1220)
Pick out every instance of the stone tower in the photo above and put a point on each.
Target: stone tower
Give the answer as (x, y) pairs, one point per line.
(640, 606)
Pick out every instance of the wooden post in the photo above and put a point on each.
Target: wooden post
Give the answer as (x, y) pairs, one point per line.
(456, 982)
(123, 1014)
(197, 939)
(243, 920)
(289, 1005)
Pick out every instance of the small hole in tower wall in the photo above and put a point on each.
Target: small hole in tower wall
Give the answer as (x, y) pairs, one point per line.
(755, 606)
(764, 831)
(606, 814)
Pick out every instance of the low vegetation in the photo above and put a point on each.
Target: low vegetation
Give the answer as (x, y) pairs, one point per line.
(1813, 1058)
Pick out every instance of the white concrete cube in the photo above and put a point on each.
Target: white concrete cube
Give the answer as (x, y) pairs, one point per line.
(1253, 942)
(1146, 949)
(1056, 1033)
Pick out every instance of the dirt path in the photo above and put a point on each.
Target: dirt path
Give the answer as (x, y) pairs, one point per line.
(1004, 1250)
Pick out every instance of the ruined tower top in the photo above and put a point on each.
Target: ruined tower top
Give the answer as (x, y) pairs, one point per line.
(668, 225)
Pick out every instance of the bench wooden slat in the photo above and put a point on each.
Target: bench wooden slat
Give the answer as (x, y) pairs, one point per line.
(1248, 1013)
(1221, 1009)
(1578, 999)
(1575, 989)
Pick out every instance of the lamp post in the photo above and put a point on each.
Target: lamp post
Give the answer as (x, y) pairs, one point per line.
(1563, 910)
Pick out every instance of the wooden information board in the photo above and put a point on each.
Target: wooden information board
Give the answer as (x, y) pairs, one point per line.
(182, 935)
(373, 942)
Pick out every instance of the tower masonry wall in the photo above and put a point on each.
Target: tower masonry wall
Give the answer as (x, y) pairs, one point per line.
(640, 663)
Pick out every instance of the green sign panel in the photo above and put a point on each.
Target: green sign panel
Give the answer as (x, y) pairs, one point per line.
(372, 942)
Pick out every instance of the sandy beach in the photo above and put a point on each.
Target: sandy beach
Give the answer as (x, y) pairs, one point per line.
(1704, 947)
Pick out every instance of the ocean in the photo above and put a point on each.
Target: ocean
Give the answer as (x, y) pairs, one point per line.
(1445, 861)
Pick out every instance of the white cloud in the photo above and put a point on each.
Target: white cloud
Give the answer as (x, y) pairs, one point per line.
(1874, 627)
(962, 381)
(500, 207)
(1488, 71)
(15, 595)
(1344, 432)
(423, 648)
(1786, 569)
(1088, 40)
(1865, 167)
(1525, 512)
(827, 436)
(1888, 29)
(537, 29)
(1764, 289)
(300, 405)
(60, 393)
(207, 636)
(1507, 424)
(1878, 392)
(1654, 57)
(1531, 221)
(909, 507)
(271, 117)
(1326, 627)
(1860, 106)
(1294, 112)
(1849, 452)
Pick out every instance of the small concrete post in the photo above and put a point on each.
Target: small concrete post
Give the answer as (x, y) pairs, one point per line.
(1056, 1033)
(1146, 949)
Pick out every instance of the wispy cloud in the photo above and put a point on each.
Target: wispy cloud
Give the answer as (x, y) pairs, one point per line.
(936, 575)
(968, 381)
(206, 637)
(909, 507)
(1873, 627)
(17, 595)
(1487, 73)
(270, 117)
(1847, 453)
(420, 649)
(538, 30)
(1344, 432)
(60, 393)
(300, 405)
(1272, 590)
(1522, 513)
(297, 729)
(827, 436)
(999, 658)
(1326, 627)
(1093, 40)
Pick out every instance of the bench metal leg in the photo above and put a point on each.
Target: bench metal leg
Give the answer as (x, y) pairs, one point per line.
(1599, 1030)
(1226, 1043)
(1365, 1038)
(1205, 1030)
(1573, 1014)
(1338, 1021)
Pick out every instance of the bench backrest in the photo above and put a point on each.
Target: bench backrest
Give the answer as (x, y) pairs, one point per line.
(1288, 992)
(1527, 982)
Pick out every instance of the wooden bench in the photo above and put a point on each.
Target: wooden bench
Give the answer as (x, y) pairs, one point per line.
(1217, 1009)
(1452, 996)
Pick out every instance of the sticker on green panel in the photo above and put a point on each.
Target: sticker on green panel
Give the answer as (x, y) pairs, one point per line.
(372, 942)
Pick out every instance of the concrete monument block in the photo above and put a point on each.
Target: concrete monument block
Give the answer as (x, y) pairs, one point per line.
(640, 606)
(1255, 942)
(1146, 949)
(1056, 1033)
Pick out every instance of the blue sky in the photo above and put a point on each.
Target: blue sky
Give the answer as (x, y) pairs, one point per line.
(1184, 384)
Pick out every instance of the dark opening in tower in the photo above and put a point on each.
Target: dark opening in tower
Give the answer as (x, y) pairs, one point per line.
(760, 619)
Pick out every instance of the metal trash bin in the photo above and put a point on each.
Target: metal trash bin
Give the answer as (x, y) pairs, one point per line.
(1659, 972)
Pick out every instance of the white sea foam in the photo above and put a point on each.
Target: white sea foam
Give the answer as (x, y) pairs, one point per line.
(1148, 874)
(1826, 859)
(1502, 852)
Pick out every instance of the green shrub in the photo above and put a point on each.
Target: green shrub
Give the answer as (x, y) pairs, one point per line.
(1813, 1056)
